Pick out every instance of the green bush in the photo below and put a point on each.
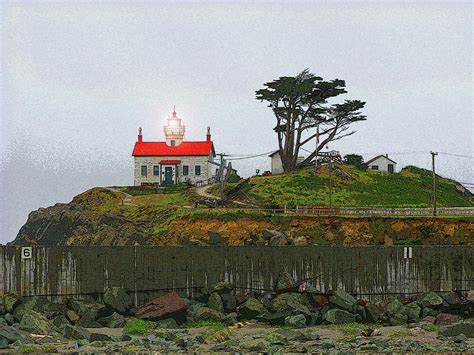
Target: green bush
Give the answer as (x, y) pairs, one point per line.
(137, 326)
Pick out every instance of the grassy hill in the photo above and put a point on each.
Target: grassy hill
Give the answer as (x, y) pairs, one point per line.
(353, 187)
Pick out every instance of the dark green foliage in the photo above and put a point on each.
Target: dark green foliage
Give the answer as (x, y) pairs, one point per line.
(355, 160)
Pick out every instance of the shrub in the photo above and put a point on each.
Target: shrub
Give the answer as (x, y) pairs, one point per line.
(137, 326)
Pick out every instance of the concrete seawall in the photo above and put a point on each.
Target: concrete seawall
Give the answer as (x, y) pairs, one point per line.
(373, 272)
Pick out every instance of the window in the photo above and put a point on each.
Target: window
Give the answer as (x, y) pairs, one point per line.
(173, 143)
(197, 170)
(144, 170)
(156, 170)
(375, 167)
(185, 170)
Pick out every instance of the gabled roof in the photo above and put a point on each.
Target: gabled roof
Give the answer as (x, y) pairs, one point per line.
(142, 149)
(380, 156)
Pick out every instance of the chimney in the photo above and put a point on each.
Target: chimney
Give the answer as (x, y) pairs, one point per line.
(208, 136)
(139, 134)
(386, 155)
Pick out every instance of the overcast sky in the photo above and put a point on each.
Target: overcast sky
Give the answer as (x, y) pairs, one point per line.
(79, 79)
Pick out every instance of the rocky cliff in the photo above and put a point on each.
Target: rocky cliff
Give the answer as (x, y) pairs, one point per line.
(103, 216)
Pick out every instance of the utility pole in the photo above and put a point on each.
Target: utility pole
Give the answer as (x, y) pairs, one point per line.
(433, 154)
(222, 173)
(330, 183)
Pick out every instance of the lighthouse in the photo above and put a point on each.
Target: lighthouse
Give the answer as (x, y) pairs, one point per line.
(174, 130)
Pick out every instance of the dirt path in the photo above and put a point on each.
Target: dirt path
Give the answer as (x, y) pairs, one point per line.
(127, 200)
(203, 191)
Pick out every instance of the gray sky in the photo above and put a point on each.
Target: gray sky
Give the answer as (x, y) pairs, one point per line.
(77, 81)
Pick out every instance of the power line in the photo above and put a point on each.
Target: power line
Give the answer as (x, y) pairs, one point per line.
(250, 156)
(457, 155)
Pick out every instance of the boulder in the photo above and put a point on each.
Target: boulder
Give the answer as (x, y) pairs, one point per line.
(275, 318)
(72, 316)
(270, 233)
(284, 281)
(115, 320)
(278, 240)
(444, 319)
(117, 299)
(465, 327)
(413, 311)
(341, 299)
(168, 323)
(34, 322)
(470, 296)
(297, 321)
(431, 300)
(339, 316)
(76, 333)
(452, 298)
(429, 312)
(9, 335)
(215, 302)
(59, 323)
(251, 308)
(229, 302)
(289, 300)
(208, 314)
(231, 318)
(397, 313)
(40, 305)
(99, 337)
(374, 312)
(220, 288)
(10, 300)
(88, 312)
(215, 238)
(170, 305)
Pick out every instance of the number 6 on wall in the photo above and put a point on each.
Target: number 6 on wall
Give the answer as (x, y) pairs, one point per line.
(26, 252)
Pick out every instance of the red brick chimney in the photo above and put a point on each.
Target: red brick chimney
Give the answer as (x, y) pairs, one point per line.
(208, 136)
(139, 134)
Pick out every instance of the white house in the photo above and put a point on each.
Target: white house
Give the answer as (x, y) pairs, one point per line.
(382, 163)
(175, 160)
(277, 165)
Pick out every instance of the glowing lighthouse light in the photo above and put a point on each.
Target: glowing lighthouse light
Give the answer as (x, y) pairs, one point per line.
(174, 130)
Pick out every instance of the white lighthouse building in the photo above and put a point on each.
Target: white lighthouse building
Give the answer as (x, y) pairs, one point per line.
(174, 160)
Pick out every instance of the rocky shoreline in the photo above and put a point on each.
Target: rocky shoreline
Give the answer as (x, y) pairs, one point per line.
(292, 317)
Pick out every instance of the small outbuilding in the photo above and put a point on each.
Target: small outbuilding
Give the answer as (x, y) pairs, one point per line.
(383, 164)
(277, 165)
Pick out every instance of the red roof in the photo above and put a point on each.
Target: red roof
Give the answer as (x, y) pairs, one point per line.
(162, 149)
(170, 162)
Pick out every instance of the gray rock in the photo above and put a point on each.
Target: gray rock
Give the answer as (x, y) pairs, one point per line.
(341, 299)
(125, 337)
(284, 281)
(231, 318)
(290, 335)
(278, 240)
(465, 327)
(35, 323)
(413, 311)
(289, 300)
(374, 312)
(168, 323)
(115, 320)
(339, 316)
(251, 308)
(76, 333)
(451, 298)
(300, 241)
(59, 323)
(470, 296)
(397, 312)
(429, 312)
(459, 338)
(444, 319)
(215, 302)
(220, 288)
(206, 313)
(117, 299)
(229, 302)
(10, 335)
(215, 238)
(10, 300)
(431, 300)
(297, 321)
(88, 311)
(275, 318)
(99, 337)
(72, 316)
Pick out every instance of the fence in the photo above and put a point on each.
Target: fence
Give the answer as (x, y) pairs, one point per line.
(365, 211)
(373, 272)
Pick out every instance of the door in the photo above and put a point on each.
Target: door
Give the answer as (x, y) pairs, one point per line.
(390, 168)
(168, 180)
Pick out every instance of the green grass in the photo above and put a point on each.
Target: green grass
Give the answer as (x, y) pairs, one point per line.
(351, 329)
(138, 327)
(28, 348)
(401, 334)
(429, 327)
(409, 188)
(204, 323)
